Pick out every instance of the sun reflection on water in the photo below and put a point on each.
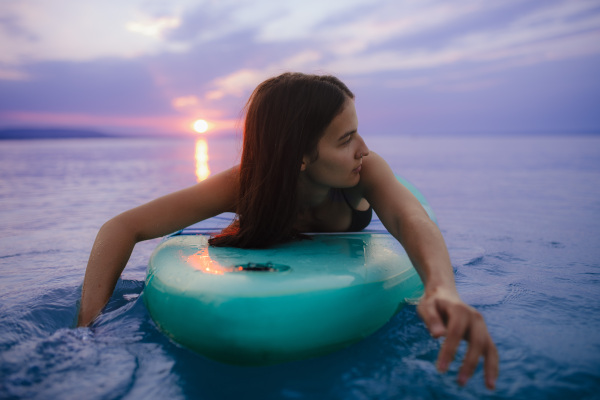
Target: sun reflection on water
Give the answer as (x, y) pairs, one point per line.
(202, 169)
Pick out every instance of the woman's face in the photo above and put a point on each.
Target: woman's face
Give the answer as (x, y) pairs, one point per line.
(340, 151)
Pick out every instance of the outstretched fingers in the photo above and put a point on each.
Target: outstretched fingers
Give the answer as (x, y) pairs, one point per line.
(455, 332)
(478, 339)
(468, 324)
(480, 345)
(430, 314)
(449, 317)
(490, 365)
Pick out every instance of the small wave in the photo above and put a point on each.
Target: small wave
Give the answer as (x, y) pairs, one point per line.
(53, 309)
(475, 261)
(43, 368)
(126, 291)
(483, 294)
(31, 253)
(467, 256)
(514, 293)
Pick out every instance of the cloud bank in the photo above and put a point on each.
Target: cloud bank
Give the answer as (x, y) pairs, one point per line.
(203, 58)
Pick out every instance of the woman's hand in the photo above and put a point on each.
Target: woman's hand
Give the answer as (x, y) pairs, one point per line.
(445, 314)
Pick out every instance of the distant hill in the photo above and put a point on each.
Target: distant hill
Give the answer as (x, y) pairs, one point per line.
(52, 133)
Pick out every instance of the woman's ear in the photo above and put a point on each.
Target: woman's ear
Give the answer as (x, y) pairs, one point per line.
(305, 161)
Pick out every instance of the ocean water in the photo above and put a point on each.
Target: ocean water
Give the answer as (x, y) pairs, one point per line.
(521, 216)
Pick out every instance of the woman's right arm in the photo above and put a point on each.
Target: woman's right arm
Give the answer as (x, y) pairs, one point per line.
(117, 237)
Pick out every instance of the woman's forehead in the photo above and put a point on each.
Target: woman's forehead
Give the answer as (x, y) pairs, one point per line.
(343, 123)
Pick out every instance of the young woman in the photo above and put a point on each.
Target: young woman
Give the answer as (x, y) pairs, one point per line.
(304, 168)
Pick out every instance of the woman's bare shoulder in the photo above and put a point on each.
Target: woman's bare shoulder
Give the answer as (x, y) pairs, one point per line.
(389, 198)
(374, 168)
(375, 171)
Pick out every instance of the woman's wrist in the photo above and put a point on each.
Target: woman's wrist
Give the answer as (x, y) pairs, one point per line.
(441, 288)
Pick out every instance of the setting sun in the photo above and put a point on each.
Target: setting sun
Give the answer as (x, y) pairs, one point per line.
(200, 126)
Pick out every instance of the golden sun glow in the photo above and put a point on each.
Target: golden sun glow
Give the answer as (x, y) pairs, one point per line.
(200, 126)
(202, 169)
(202, 262)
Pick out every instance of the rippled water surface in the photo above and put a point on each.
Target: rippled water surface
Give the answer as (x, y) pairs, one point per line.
(521, 217)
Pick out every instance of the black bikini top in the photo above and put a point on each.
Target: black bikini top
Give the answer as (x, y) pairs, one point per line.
(360, 219)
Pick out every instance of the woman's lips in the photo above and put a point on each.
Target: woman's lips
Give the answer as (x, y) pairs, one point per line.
(357, 169)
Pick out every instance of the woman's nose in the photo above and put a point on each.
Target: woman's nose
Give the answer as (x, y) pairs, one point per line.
(363, 150)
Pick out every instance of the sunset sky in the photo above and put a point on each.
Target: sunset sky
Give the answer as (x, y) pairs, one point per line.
(416, 66)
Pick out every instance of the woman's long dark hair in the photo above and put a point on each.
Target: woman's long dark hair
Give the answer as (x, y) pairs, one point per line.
(285, 118)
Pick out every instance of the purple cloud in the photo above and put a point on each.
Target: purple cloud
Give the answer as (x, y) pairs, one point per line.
(429, 66)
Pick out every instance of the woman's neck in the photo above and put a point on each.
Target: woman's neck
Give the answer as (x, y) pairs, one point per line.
(311, 194)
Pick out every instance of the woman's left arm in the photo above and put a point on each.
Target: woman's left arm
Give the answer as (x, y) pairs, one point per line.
(441, 308)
